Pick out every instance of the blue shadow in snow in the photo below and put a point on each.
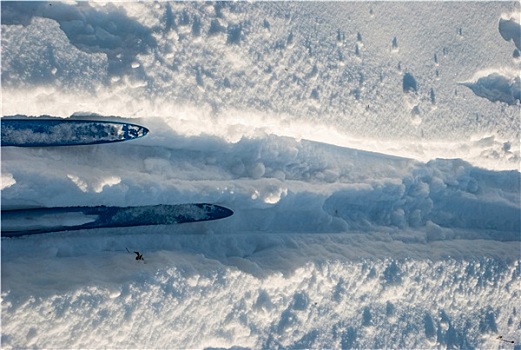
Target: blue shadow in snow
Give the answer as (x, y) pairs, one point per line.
(110, 32)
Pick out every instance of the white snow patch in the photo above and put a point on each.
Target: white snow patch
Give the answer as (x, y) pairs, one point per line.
(82, 185)
(108, 181)
(7, 180)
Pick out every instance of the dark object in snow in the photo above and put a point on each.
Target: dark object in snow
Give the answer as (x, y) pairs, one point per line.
(394, 44)
(409, 83)
(506, 341)
(139, 256)
(20, 222)
(45, 131)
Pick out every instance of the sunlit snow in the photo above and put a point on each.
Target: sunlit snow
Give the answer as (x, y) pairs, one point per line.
(370, 152)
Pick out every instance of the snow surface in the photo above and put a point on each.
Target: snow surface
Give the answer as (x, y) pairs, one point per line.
(370, 152)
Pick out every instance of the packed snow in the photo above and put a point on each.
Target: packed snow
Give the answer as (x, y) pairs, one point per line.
(370, 153)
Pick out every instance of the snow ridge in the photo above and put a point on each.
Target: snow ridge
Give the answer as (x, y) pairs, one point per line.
(197, 303)
(296, 63)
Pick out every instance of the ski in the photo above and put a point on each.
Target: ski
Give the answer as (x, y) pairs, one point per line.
(20, 222)
(48, 132)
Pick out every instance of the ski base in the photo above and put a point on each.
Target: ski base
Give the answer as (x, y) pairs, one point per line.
(22, 222)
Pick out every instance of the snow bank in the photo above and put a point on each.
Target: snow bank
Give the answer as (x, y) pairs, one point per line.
(281, 66)
(190, 300)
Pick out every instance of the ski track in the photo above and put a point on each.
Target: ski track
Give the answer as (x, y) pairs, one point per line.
(389, 250)
(374, 178)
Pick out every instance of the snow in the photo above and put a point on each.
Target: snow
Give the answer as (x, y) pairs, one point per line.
(369, 151)
(497, 87)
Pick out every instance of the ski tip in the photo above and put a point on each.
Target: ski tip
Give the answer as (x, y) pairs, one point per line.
(215, 212)
(51, 132)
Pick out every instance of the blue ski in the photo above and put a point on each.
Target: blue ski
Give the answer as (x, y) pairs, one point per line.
(20, 222)
(46, 132)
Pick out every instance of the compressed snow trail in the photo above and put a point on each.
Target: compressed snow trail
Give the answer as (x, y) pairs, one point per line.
(279, 184)
(328, 247)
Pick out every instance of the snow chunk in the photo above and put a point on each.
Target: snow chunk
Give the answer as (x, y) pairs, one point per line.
(273, 197)
(97, 186)
(108, 181)
(497, 87)
(82, 185)
(257, 170)
(7, 180)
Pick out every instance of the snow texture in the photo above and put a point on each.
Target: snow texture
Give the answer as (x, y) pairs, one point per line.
(370, 153)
